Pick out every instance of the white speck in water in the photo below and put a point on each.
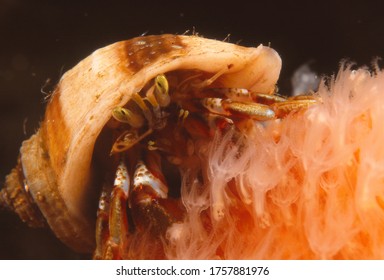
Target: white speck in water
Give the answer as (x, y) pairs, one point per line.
(304, 80)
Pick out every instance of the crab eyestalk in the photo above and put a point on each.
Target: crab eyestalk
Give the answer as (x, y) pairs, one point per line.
(127, 116)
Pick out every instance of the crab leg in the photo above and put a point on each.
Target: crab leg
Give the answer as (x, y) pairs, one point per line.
(269, 108)
(127, 140)
(293, 105)
(150, 206)
(236, 94)
(251, 110)
(102, 223)
(268, 99)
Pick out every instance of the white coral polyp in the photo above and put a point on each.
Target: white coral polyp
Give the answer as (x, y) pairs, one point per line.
(310, 186)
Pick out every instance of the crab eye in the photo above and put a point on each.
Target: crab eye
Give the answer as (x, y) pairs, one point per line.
(127, 116)
(161, 90)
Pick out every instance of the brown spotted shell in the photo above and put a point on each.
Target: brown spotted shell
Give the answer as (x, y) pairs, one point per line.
(54, 178)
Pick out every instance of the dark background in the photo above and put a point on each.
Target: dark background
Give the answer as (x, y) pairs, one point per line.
(40, 40)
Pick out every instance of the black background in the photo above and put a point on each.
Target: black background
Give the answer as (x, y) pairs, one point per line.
(39, 40)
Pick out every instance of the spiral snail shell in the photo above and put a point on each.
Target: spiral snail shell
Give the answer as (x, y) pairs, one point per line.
(57, 179)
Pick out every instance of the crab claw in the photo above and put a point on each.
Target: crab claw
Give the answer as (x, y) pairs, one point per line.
(112, 235)
(150, 205)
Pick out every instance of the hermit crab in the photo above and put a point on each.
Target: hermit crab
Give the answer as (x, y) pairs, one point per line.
(128, 129)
